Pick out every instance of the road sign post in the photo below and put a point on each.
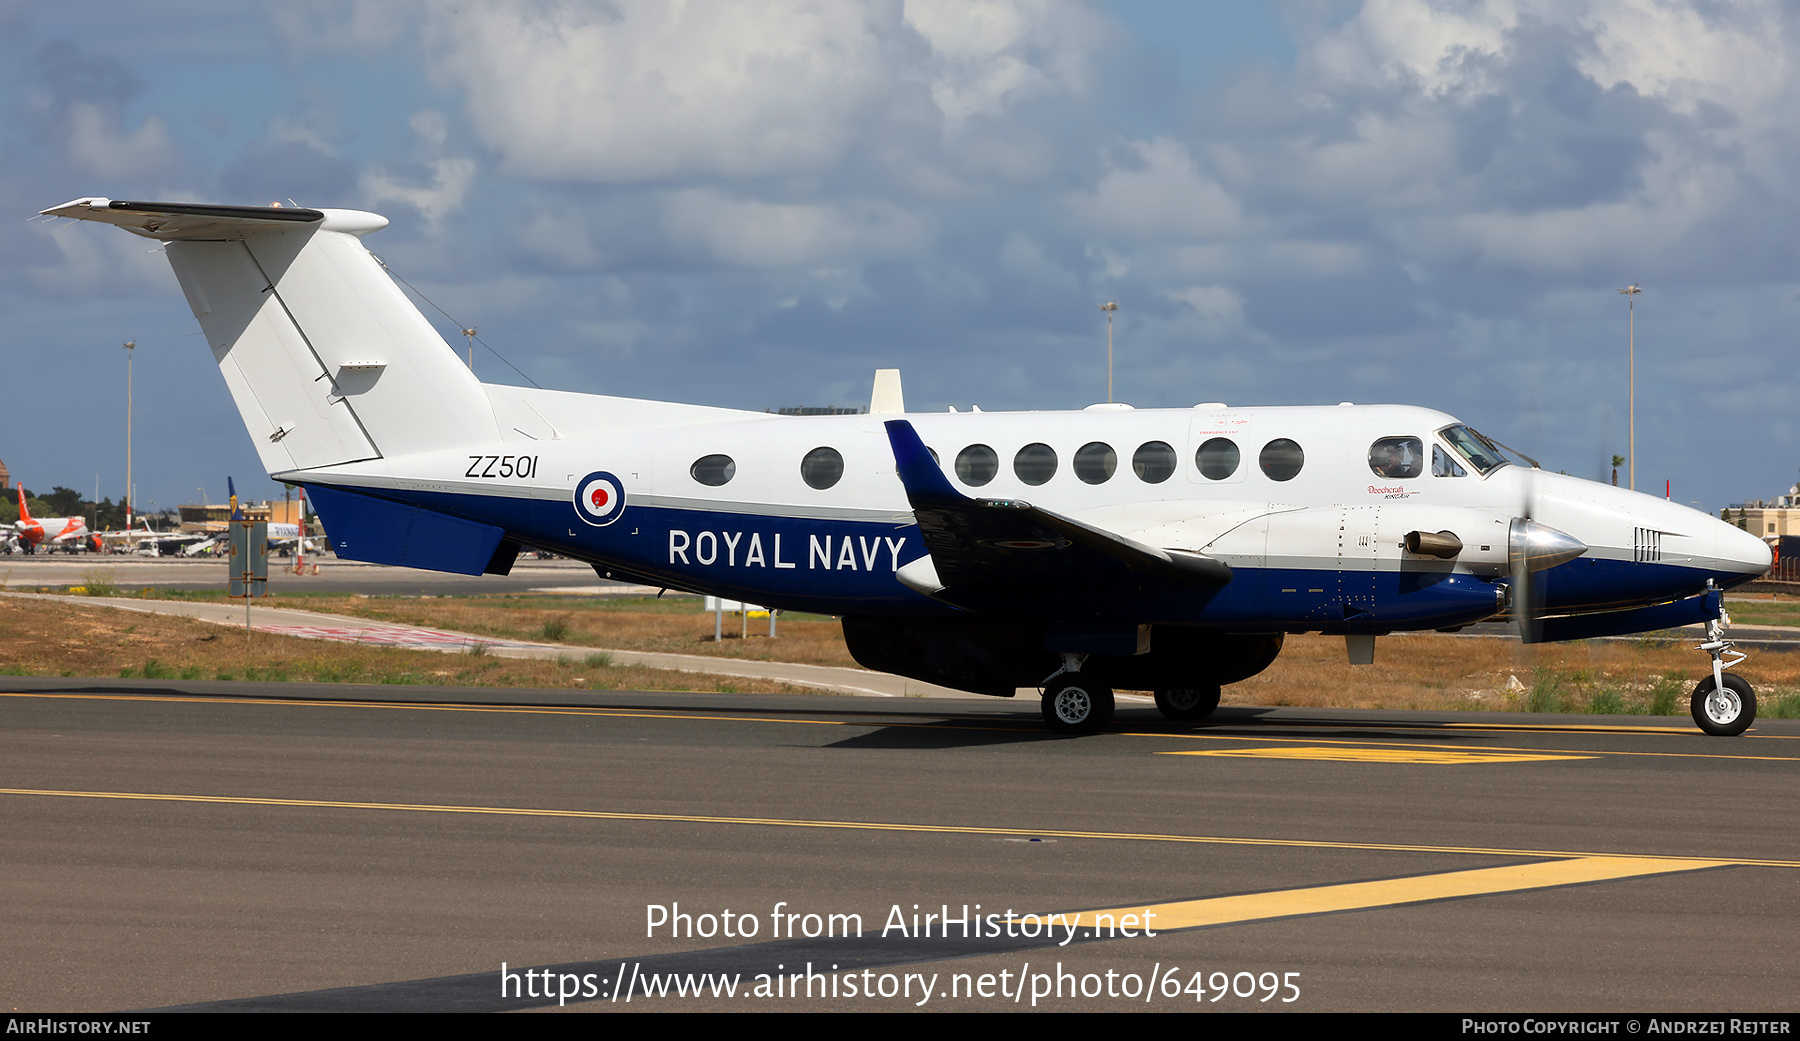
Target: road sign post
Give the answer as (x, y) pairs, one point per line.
(249, 564)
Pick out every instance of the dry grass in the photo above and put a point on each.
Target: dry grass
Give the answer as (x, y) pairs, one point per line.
(1428, 671)
(675, 625)
(55, 639)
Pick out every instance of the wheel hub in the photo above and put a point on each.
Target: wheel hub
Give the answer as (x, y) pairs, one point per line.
(1072, 705)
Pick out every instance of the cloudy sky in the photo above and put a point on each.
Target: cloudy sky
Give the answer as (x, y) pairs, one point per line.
(758, 204)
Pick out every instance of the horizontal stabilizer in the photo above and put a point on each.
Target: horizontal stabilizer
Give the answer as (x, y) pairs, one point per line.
(986, 550)
(184, 220)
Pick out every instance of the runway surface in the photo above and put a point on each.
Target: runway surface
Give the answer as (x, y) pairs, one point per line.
(295, 846)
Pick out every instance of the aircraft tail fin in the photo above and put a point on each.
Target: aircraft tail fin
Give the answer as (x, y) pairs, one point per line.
(24, 511)
(327, 361)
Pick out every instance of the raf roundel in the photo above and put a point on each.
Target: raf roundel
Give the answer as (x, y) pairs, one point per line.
(599, 498)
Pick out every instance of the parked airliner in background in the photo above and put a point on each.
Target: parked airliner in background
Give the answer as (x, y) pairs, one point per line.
(1077, 552)
(64, 533)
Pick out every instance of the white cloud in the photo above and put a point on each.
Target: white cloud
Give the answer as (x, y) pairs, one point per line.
(97, 144)
(643, 90)
(988, 56)
(89, 264)
(1734, 56)
(1425, 42)
(450, 182)
(1217, 306)
(1161, 196)
(751, 233)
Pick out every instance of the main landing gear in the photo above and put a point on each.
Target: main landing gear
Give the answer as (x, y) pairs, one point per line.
(1072, 704)
(1724, 704)
(1188, 702)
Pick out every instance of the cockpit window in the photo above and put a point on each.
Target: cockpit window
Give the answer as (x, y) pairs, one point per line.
(1444, 466)
(1397, 457)
(1478, 450)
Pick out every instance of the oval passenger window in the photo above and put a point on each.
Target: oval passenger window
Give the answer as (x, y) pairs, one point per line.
(1217, 458)
(713, 470)
(1282, 459)
(822, 468)
(976, 465)
(1397, 457)
(1035, 464)
(1095, 463)
(1153, 462)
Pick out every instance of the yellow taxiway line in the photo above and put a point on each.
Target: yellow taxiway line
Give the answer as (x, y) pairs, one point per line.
(1389, 892)
(939, 829)
(623, 713)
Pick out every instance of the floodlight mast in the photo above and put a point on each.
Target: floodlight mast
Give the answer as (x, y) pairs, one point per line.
(130, 349)
(1109, 307)
(1631, 291)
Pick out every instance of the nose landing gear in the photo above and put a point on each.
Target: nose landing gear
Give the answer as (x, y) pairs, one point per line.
(1724, 704)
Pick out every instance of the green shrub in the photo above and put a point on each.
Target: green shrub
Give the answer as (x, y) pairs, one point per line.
(99, 581)
(1668, 694)
(1546, 693)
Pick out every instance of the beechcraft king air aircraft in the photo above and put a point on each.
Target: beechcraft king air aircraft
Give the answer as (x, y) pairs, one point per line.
(1166, 550)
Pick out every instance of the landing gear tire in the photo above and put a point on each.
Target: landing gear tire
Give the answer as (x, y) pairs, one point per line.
(1187, 702)
(1725, 713)
(1073, 705)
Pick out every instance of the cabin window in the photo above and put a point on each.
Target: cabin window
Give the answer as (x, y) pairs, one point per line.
(822, 468)
(1444, 466)
(1397, 457)
(976, 465)
(1281, 459)
(1035, 464)
(1095, 462)
(1153, 462)
(713, 470)
(1217, 458)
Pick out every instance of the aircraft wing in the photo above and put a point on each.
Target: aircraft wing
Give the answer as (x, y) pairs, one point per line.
(983, 550)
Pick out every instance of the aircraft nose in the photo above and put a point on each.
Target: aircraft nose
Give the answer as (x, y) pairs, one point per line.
(1738, 556)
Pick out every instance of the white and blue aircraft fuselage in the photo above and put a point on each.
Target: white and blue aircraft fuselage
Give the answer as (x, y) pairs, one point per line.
(1166, 550)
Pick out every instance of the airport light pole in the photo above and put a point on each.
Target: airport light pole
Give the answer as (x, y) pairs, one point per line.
(1109, 307)
(470, 333)
(130, 349)
(1631, 291)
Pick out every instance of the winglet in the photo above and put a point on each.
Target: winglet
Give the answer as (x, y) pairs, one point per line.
(919, 473)
(887, 396)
